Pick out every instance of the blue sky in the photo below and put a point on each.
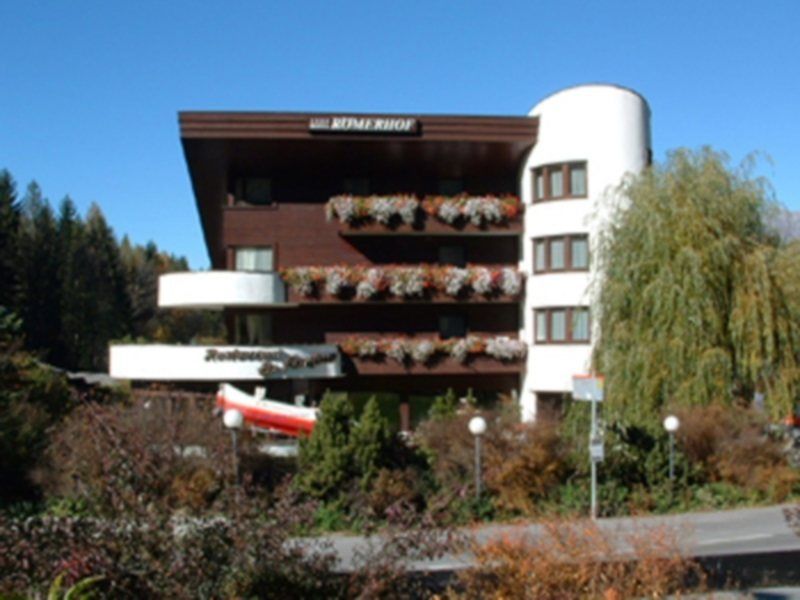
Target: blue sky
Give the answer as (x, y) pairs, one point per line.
(92, 88)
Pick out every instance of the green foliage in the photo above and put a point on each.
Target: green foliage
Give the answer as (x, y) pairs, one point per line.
(444, 406)
(698, 301)
(32, 398)
(370, 440)
(82, 590)
(343, 451)
(325, 460)
(76, 288)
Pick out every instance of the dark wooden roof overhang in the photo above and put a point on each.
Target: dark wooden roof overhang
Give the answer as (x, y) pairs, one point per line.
(220, 144)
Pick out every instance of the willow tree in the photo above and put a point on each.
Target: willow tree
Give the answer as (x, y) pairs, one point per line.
(699, 299)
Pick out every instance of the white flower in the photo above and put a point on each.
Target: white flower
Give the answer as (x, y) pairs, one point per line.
(343, 206)
(335, 281)
(482, 280)
(303, 283)
(398, 350)
(407, 282)
(422, 351)
(460, 350)
(504, 348)
(448, 212)
(370, 285)
(455, 281)
(407, 207)
(383, 209)
(510, 281)
(367, 348)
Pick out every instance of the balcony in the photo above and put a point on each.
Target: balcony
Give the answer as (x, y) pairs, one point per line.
(433, 215)
(471, 355)
(218, 289)
(403, 284)
(160, 362)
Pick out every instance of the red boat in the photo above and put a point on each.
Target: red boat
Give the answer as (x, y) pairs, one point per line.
(267, 414)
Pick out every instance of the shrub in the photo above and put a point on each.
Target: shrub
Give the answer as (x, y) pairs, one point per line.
(731, 445)
(118, 458)
(525, 465)
(578, 560)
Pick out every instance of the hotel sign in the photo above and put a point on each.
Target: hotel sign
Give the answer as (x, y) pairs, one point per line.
(382, 125)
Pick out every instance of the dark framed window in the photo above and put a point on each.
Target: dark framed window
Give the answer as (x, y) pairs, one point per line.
(357, 186)
(253, 329)
(452, 326)
(562, 325)
(254, 191)
(561, 180)
(453, 255)
(561, 253)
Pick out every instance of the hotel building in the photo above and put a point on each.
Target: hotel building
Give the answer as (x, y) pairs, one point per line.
(400, 253)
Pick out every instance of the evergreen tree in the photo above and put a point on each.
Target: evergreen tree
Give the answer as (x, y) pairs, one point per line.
(698, 299)
(371, 441)
(39, 275)
(107, 317)
(325, 461)
(75, 295)
(9, 242)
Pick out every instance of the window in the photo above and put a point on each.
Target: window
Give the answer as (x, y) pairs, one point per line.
(254, 259)
(256, 191)
(561, 253)
(579, 252)
(540, 255)
(451, 187)
(562, 325)
(577, 180)
(452, 326)
(452, 255)
(357, 186)
(253, 329)
(563, 180)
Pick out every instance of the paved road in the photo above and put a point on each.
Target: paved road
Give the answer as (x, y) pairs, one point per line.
(708, 534)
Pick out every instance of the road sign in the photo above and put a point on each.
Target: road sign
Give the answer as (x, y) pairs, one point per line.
(597, 451)
(587, 388)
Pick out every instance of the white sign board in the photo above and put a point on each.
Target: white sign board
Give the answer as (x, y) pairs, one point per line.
(160, 362)
(588, 389)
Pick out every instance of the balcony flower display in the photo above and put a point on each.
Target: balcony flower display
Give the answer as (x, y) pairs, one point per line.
(477, 210)
(410, 351)
(400, 281)
(383, 209)
(406, 209)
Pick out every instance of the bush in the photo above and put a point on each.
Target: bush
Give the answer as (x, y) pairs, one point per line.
(731, 446)
(116, 459)
(525, 465)
(578, 560)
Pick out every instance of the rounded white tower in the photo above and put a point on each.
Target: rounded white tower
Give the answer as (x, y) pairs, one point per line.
(590, 137)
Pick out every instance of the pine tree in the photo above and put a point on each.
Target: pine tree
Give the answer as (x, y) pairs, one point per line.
(325, 460)
(699, 298)
(370, 441)
(9, 242)
(75, 295)
(39, 300)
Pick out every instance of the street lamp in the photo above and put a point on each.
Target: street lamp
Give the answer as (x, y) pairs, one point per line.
(233, 420)
(477, 427)
(671, 424)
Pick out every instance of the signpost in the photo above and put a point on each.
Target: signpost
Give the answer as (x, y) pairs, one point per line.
(590, 389)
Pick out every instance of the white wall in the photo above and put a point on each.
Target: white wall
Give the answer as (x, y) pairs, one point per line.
(609, 128)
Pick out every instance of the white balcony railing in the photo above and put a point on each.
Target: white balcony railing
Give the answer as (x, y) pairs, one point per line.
(218, 289)
(160, 362)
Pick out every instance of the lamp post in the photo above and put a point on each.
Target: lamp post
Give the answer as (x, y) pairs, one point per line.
(671, 424)
(233, 420)
(477, 427)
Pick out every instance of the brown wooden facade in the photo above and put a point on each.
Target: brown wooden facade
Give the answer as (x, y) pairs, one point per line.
(305, 169)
